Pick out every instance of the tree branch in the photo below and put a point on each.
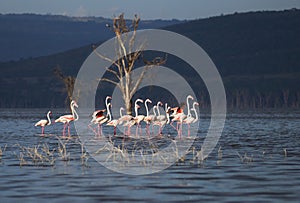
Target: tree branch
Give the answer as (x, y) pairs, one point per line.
(113, 72)
(106, 58)
(110, 81)
(138, 82)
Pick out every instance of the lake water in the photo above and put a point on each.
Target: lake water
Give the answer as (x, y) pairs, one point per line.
(257, 159)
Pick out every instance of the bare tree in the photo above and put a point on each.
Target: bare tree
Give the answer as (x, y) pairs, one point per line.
(68, 81)
(125, 60)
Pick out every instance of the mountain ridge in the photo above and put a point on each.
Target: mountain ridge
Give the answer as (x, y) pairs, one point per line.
(256, 54)
(33, 35)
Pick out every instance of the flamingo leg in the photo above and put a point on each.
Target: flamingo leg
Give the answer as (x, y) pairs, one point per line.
(99, 130)
(147, 130)
(69, 130)
(140, 129)
(128, 133)
(152, 130)
(180, 129)
(43, 127)
(189, 130)
(137, 130)
(92, 129)
(125, 131)
(64, 129)
(115, 130)
(171, 124)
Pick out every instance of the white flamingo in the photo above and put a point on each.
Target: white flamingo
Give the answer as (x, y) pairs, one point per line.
(44, 122)
(149, 118)
(114, 122)
(66, 119)
(163, 122)
(159, 116)
(138, 118)
(135, 120)
(190, 119)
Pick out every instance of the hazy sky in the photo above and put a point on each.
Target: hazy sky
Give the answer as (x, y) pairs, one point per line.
(147, 9)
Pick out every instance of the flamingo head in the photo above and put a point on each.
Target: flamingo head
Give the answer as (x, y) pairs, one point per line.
(159, 103)
(196, 103)
(169, 110)
(74, 103)
(190, 97)
(107, 98)
(148, 100)
(139, 100)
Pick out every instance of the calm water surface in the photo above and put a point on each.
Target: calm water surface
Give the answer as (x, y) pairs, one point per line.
(257, 159)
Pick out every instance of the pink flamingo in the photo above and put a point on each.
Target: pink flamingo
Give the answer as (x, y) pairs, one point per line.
(179, 115)
(100, 118)
(66, 119)
(44, 122)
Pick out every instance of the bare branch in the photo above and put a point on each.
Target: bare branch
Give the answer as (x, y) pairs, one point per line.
(113, 72)
(106, 58)
(110, 81)
(157, 61)
(138, 82)
(135, 24)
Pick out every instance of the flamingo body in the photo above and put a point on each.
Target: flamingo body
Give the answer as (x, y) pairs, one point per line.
(44, 122)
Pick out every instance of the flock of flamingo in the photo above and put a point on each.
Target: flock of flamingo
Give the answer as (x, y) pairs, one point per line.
(103, 116)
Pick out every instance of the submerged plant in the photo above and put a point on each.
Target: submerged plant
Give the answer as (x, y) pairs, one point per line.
(2, 151)
(62, 150)
(245, 158)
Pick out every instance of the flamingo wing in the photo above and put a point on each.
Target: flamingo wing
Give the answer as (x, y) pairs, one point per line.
(42, 122)
(65, 118)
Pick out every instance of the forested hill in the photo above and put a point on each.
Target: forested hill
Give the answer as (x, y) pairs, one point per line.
(31, 35)
(257, 54)
(249, 43)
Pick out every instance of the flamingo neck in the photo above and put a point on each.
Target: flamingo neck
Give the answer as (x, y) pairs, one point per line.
(121, 114)
(107, 108)
(196, 115)
(157, 107)
(136, 110)
(154, 107)
(188, 107)
(108, 113)
(168, 117)
(48, 117)
(146, 106)
(74, 113)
